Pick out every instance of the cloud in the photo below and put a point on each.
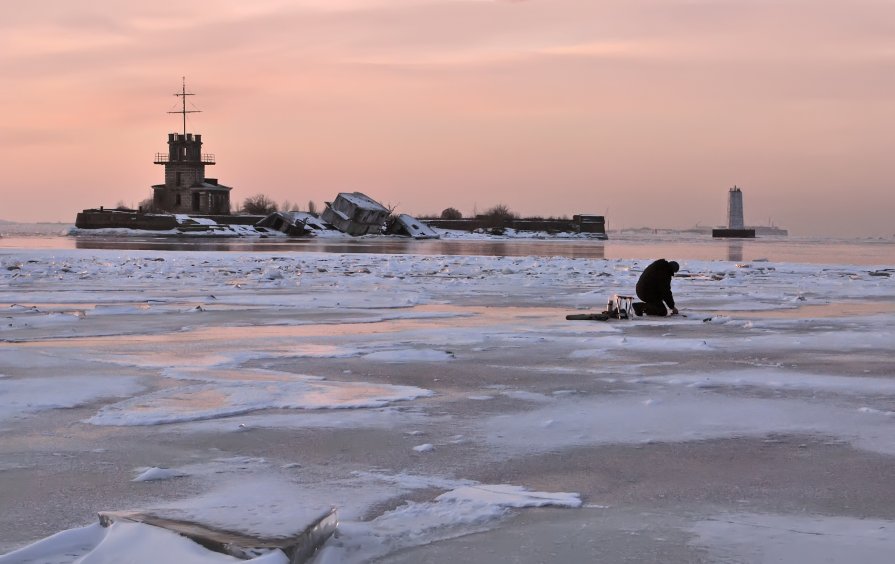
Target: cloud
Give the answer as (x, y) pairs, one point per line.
(24, 137)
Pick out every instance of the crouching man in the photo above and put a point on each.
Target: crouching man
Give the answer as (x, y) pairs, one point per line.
(654, 288)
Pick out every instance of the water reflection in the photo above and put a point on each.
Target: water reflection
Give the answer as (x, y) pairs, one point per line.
(678, 247)
(735, 251)
(593, 249)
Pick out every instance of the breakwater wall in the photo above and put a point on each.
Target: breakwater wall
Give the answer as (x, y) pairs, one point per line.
(595, 225)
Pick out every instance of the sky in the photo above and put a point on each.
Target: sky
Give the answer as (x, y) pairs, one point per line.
(646, 111)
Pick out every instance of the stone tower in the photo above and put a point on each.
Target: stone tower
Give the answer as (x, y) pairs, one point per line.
(735, 209)
(186, 189)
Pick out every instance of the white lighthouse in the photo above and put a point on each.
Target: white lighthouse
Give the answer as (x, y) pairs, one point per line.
(735, 209)
(736, 227)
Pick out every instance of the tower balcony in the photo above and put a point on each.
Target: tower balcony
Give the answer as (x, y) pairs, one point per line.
(165, 158)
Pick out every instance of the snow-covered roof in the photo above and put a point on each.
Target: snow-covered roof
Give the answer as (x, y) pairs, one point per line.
(211, 187)
(362, 200)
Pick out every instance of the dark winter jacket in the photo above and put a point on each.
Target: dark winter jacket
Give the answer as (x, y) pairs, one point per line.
(654, 284)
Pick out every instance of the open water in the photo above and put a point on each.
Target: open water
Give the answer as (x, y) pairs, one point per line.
(670, 245)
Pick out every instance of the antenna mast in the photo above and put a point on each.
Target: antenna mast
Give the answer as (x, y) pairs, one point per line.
(183, 94)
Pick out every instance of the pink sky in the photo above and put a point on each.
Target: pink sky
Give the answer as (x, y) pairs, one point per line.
(644, 110)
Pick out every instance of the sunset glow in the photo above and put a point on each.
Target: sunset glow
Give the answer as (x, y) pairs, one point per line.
(646, 111)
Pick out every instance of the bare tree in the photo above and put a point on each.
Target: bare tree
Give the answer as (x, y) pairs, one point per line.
(500, 211)
(312, 207)
(499, 216)
(148, 206)
(391, 214)
(451, 213)
(259, 204)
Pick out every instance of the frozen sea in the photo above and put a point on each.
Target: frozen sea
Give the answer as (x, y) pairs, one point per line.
(435, 395)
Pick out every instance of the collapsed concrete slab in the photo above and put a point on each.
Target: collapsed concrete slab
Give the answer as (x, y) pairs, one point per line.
(298, 547)
(410, 226)
(294, 224)
(356, 214)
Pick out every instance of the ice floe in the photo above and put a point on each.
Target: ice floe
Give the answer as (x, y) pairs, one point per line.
(27, 396)
(210, 401)
(463, 510)
(680, 416)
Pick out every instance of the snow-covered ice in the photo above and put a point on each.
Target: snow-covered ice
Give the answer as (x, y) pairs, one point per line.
(430, 397)
(234, 397)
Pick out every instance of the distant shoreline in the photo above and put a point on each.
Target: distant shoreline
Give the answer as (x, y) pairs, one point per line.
(8, 227)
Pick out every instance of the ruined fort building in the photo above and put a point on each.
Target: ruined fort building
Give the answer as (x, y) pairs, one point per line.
(186, 188)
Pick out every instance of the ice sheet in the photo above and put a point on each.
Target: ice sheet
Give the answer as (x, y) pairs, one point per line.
(217, 347)
(760, 538)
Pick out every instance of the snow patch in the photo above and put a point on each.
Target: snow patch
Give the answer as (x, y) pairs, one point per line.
(410, 355)
(156, 474)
